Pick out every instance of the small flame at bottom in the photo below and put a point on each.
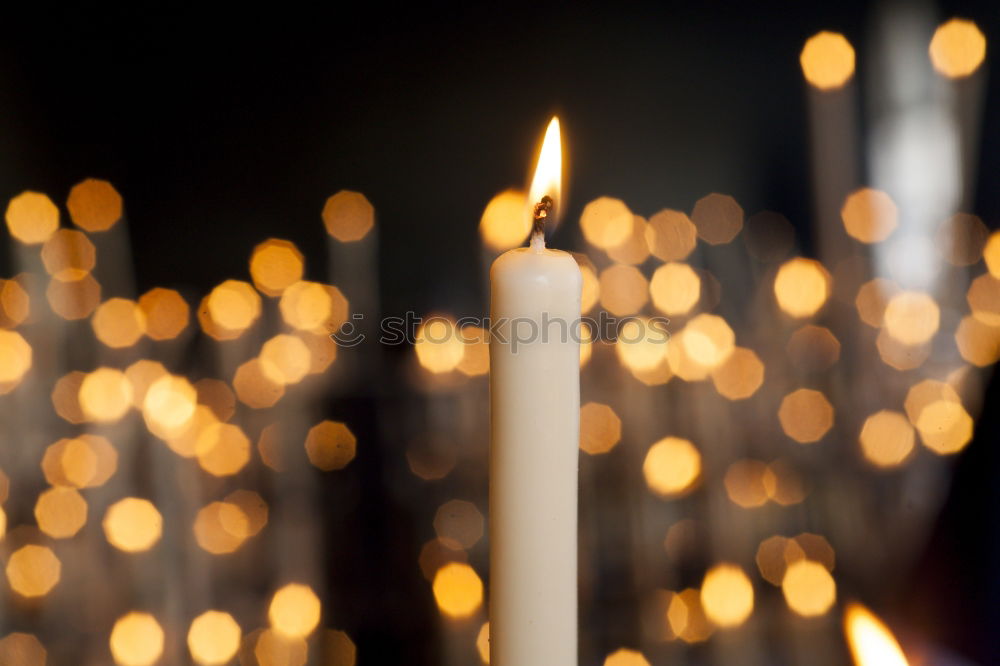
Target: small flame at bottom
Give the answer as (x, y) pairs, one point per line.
(871, 642)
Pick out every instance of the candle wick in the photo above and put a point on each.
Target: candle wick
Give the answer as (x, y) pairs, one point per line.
(542, 211)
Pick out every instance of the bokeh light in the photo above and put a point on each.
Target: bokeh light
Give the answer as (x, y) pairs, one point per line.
(73, 300)
(294, 610)
(68, 255)
(32, 218)
(313, 307)
(458, 590)
(911, 317)
(626, 657)
(945, 427)
(623, 290)
(813, 348)
(252, 517)
(118, 322)
(727, 595)
(276, 265)
(718, 218)
(348, 216)
(872, 298)
(801, 287)
(133, 525)
(270, 648)
(869, 215)
(217, 396)
(219, 528)
(475, 352)
(744, 483)
(671, 467)
(809, 588)
(223, 449)
(957, 48)
(827, 60)
(20, 649)
(675, 288)
(600, 428)
(686, 617)
(640, 346)
(591, 290)
(169, 406)
(708, 340)
(671, 235)
(505, 222)
(105, 395)
(137, 640)
(961, 238)
(94, 205)
(166, 313)
(634, 249)
(983, 297)
(285, 359)
(805, 415)
(33, 570)
(887, 438)
(254, 387)
(606, 222)
(438, 345)
(141, 375)
(483, 643)
(978, 343)
(330, 445)
(15, 304)
(15, 357)
(458, 524)
(213, 638)
(231, 308)
(61, 512)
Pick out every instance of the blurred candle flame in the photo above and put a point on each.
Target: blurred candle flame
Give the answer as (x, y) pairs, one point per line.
(548, 172)
(871, 642)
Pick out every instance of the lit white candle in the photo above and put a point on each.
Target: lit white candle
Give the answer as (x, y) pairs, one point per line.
(535, 423)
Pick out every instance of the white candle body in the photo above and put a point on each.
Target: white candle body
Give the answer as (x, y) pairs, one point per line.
(535, 424)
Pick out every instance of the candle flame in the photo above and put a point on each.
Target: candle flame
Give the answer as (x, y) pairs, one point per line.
(871, 642)
(548, 172)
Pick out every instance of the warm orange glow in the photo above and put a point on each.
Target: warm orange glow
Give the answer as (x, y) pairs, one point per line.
(32, 218)
(686, 617)
(740, 375)
(254, 514)
(338, 649)
(957, 48)
(991, 254)
(813, 348)
(640, 346)
(869, 215)
(348, 216)
(600, 428)
(606, 222)
(547, 180)
(68, 255)
(805, 415)
(15, 357)
(624, 290)
(961, 238)
(438, 345)
(591, 290)
(483, 643)
(294, 611)
(887, 438)
(745, 485)
(671, 235)
(61, 512)
(945, 427)
(475, 351)
(136, 640)
(912, 317)
(275, 265)
(132, 525)
(217, 396)
(809, 588)
(222, 449)
(73, 300)
(94, 205)
(254, 387)
(626, 657)
(141, 375)
(330, 445)
(219, 528)
(233, 306)
(33, 570)
(671, 467)
(708, 340)
(15, 304)
(285, 359)
(313, 307)
(827, 60)
(118, 322)
(634, 250)
(169, 405)
(983, 297)
(801, 287)
(87, 461)
(871, 642)
(270, 648)
(978, 343)
(718, 218)
(17, 649)
(214, 638)
(105, 395)
(505, 222)
(675, 288)
(458, 590)
(727, 595)
(166, 312)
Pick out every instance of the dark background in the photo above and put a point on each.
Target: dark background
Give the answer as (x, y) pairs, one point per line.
(230, 127)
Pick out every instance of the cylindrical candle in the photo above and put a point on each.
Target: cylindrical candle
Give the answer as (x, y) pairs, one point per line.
(535, 422)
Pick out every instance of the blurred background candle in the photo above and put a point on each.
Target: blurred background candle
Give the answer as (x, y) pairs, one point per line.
(535, 409)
